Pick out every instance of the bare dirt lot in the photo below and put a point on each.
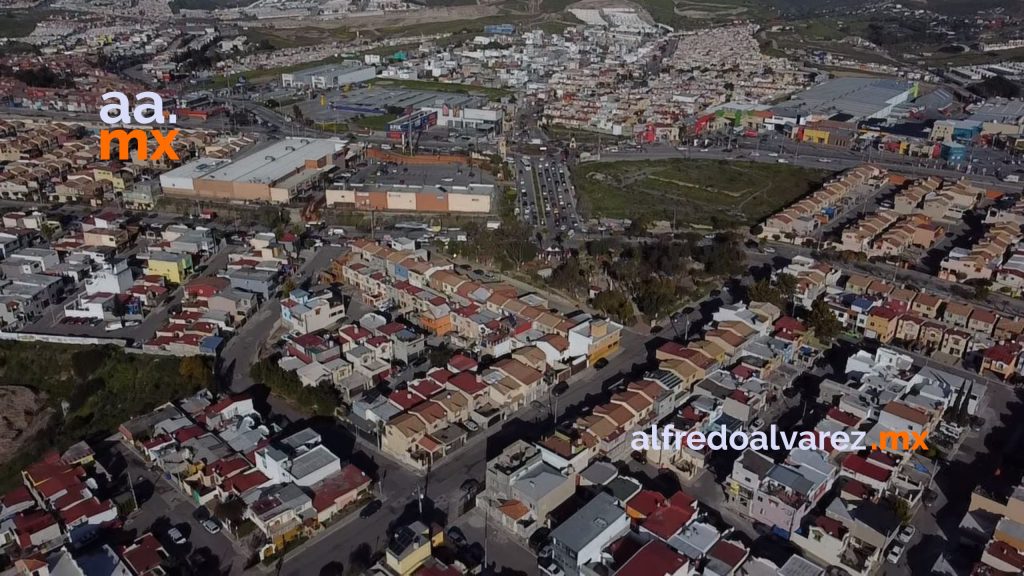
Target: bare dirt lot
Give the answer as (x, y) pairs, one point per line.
(25, 413)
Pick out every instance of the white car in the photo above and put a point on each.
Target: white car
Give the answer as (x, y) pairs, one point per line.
(176, 536)
(906, 534)
(769, 250)
(895, 553)
(211, 526)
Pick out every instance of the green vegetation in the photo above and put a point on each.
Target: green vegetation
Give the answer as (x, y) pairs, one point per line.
(508, 247)
(375, 122)
(718, 193)
(615, 304)
(823, 321)
(320, 400)
(102, 385)
(659, 275)
(20, 23)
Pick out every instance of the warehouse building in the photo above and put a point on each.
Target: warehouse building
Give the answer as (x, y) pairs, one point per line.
(416, 188)
(272, 174)
(848, 100)
(329, 76)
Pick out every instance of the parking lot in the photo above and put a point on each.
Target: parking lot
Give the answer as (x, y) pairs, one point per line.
(344, 106)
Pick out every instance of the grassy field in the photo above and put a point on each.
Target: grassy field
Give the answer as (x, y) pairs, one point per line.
(719, 193)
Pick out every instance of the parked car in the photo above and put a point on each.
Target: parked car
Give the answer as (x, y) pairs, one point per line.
(456, 537)
(895, 553)
(560, 388)
(601, 363)
(175, 535)
(906, 534)
(211, 526)
(370, 509)
(471, 426)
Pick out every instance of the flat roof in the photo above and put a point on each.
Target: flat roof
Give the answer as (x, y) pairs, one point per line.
(858, 97)
(588, 522)
(387, 177)
(328, 69)
(381, 97)
(275, 162)
(999, 110)
(196, 168)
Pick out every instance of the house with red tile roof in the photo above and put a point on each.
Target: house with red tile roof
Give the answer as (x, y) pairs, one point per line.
(655, 559)
(670, 518)
(334, 493)
(867, 473)
(35, 529)
(145, 556)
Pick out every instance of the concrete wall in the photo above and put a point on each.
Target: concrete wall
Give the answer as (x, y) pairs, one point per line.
(469, 203)
(401, 201)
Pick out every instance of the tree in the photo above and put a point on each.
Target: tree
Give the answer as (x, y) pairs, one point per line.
(296, 113)
(361, 558)
(287, 286)
(786, 284)
(656, 296)
(570, 277)
(637, 226)
(230, 512)
(195, 370)
(615, 304)
(824, 323)
(763, 291)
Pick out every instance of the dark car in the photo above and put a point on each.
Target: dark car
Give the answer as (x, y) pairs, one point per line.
(456, 537)
(370, 509)
(560, 389)
(601, 363)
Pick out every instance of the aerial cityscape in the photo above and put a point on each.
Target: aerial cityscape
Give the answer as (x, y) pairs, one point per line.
(511, 287)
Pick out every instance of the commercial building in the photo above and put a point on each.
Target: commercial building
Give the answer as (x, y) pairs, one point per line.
(849, 99)
(416, 188)
(329, 76)
(272, 174)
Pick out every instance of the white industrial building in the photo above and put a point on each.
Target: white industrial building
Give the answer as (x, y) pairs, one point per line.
(329, 76)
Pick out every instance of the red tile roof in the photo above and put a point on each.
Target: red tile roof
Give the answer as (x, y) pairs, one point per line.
(19, 495)
(646, 502)
(144, 555)
(843, 417)
(405, 399)
(1006, 553)
(654, 559)
(342, 483)
(461, 363)
(666, 521)
(728, 552)
(242, 483)
(468, 382)
(858, 465)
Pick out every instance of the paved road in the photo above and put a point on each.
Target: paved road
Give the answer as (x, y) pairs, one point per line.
(162, 506)
(243, 349)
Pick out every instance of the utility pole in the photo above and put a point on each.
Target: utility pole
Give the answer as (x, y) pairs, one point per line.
(131, 486)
